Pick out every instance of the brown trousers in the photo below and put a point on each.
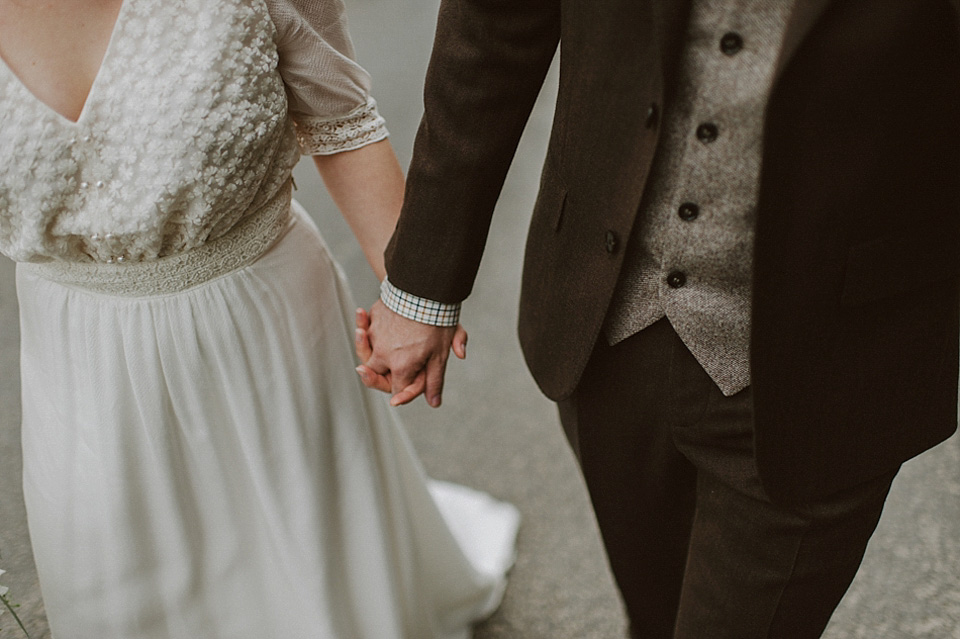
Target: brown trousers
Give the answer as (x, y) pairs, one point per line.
(698, 549)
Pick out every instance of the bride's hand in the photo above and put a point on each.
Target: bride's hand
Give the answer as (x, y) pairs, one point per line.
(365, 351)
(422, 358)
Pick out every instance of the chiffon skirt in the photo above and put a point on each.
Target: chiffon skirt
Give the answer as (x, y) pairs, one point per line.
(205, 464)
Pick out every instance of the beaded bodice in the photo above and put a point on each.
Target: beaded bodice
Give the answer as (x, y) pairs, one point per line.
(185, 132)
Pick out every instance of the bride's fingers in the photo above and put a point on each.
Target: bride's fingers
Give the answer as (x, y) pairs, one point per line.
(361, 338)
(361, 344)
(411, 392)
(460, 342)
(372, 379)
(362, 319)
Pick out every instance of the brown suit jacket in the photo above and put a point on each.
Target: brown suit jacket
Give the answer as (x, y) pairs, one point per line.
(857, 260)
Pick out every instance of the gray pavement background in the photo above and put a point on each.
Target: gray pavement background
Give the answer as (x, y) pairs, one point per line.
(496, 432)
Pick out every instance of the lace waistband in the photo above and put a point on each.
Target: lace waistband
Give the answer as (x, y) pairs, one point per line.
(241, 245)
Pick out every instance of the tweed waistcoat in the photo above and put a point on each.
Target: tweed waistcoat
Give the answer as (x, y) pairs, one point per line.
(690, 257)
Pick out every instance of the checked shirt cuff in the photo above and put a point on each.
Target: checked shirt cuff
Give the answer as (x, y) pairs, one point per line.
(418, 309)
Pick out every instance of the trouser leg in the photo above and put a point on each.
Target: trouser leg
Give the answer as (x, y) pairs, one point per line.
(642, 489)
(758, 569)
(692, 538)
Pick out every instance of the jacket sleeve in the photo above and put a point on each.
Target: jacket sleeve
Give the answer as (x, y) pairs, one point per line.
(489, 61)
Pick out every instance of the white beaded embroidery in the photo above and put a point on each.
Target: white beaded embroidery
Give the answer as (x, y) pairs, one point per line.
(185, 133)
(175, 273)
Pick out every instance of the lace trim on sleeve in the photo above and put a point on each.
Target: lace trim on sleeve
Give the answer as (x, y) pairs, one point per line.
(326, 136)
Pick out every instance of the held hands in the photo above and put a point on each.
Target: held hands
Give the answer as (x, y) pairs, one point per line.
(405, 357)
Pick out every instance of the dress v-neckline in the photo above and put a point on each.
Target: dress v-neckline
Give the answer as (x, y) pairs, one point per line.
(104, 61)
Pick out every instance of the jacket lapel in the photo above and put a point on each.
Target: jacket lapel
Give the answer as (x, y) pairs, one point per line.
(804, 16)
(672, 17)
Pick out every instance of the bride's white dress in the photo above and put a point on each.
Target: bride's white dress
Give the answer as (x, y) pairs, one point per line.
(200, 460)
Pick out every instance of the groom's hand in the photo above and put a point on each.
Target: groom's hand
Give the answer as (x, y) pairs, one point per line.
(405, 357)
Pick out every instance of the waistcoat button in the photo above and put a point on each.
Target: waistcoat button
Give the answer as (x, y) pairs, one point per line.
(676, 279)
(731, 43)
(688, 211)
(707, 132)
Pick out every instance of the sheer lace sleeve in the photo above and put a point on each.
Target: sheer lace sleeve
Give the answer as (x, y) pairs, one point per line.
(329, 93)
